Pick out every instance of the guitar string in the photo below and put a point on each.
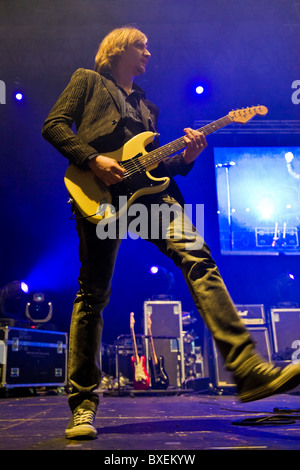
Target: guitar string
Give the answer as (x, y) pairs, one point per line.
(157, 155)
(145, 161)
(180, 143)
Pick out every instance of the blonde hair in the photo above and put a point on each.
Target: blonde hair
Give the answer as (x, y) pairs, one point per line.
(114, 44)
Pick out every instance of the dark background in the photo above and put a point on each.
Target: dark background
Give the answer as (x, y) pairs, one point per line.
(245, 53)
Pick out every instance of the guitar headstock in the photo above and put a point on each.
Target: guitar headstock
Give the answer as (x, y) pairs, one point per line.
(245, 114)
(149, 321)
(132, 320)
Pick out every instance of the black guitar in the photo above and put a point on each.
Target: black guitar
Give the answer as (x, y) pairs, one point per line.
(159, 377)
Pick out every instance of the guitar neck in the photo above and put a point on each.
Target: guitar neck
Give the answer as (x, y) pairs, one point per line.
(156, 156)
(154, 357)
(134, 346)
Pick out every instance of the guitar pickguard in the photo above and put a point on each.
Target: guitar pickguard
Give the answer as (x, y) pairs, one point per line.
(124, 194)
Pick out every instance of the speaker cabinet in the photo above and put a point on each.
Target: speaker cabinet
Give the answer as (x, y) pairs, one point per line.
(215, 369)
(124, 350)
(252, 315)
(166, 327)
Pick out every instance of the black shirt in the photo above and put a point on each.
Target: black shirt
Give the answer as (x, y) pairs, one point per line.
(131, 113)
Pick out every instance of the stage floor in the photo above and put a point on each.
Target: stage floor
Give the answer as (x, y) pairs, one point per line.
(171, 423)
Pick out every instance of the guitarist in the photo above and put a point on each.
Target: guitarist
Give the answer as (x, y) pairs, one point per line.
(108, 109)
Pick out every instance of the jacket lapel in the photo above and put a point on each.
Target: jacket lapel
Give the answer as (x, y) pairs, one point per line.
(112, 90)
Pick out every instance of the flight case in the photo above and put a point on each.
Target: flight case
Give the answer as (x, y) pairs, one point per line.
(32, 358)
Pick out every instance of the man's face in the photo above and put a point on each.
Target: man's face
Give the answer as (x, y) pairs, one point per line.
(136, 57)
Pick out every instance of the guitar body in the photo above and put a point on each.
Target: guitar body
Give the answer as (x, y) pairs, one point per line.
(98, 202)
(159, 377)
(141, 379)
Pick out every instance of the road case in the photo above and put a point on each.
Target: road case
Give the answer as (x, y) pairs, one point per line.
(32, 357)
(286, 333)
(166, 319)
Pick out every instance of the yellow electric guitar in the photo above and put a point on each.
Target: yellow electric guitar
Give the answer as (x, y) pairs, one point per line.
(98, 202)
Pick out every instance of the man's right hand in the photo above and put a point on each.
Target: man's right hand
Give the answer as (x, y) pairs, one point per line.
(107, 169)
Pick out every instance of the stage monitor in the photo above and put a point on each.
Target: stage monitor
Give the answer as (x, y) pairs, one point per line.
(258, 194)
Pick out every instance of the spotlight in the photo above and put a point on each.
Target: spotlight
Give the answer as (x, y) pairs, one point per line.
(161, 281)
(19, 96)
(12, 298)
(14, 290)
(39, 310)
(24, 287)
(199, 89)
(154, 269)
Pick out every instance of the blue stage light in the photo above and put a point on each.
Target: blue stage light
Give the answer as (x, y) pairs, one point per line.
(24, 287)
(266, 207)
(154, 269)
(19, 96)
(199, 89)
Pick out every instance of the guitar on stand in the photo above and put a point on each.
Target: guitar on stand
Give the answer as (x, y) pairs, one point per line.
(141, 379)
(159, 377)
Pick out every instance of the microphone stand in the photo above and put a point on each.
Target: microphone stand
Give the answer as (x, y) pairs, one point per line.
(227, 166)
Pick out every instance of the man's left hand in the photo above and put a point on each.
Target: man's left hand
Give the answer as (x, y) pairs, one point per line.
(196, 143)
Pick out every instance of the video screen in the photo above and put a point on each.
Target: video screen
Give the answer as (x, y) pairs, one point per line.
(258, 195)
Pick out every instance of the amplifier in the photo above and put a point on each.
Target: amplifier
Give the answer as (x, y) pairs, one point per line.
(166, 326)
(286, 333)
(32, 358)
(108, 359)
(219, 375)
(252, 314)
(124, 350)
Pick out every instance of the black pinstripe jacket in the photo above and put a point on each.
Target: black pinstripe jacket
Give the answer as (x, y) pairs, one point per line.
(90, 100)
